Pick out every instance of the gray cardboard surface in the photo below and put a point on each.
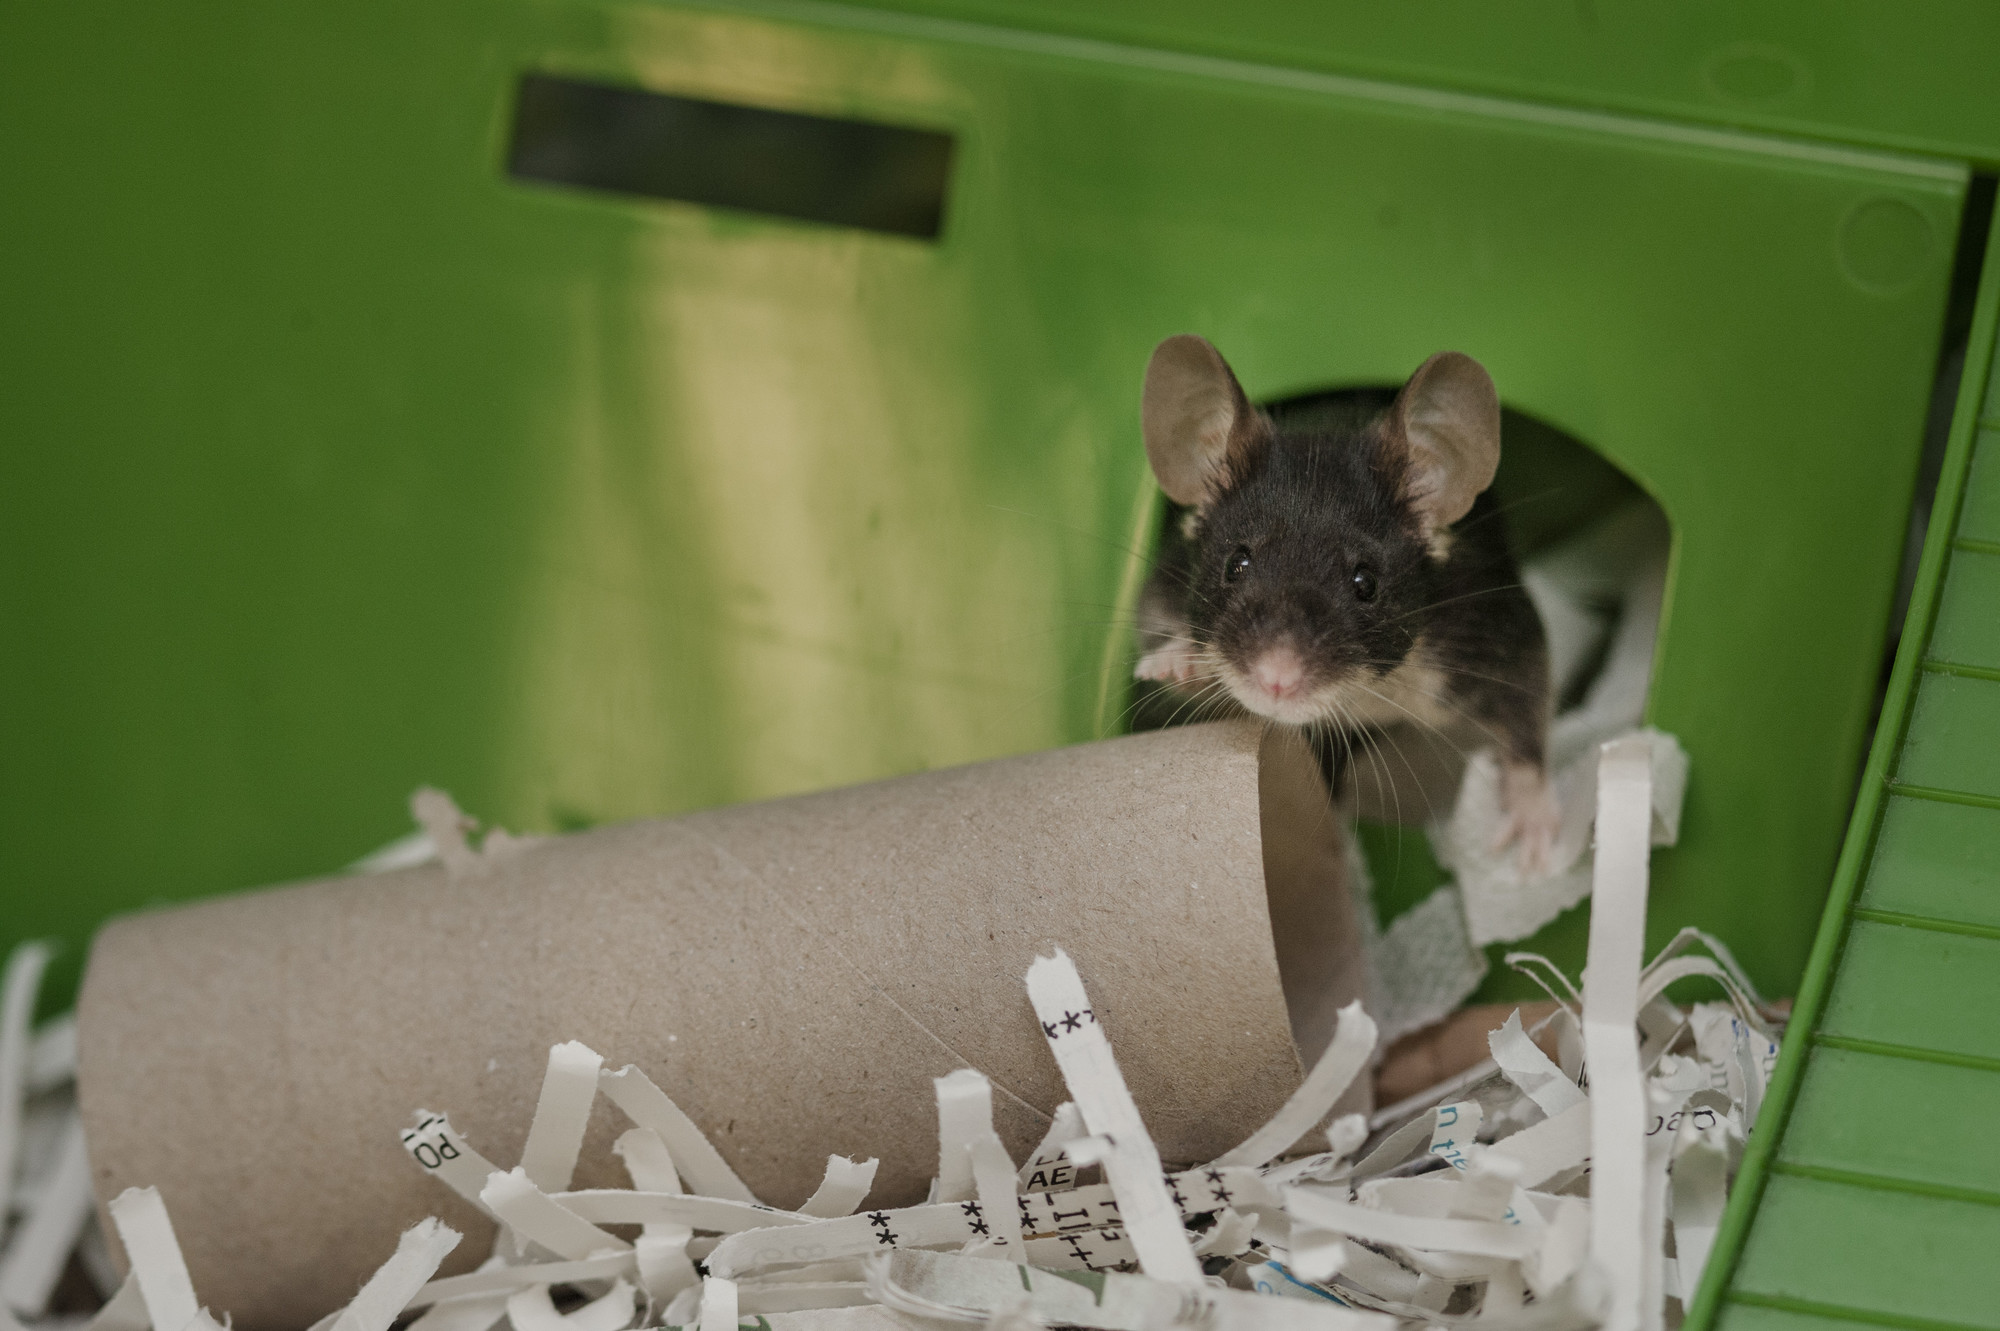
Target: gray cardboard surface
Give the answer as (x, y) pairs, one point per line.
(792, 973)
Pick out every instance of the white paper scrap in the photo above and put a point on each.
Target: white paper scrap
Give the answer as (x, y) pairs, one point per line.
(647, 1161)
(155, 1254)
(1545, 1149)
(1475, 1238)
(1049, 1168)
(757, 1300)
(1524, 1064)
(1700, 1187)
(701, 1165)
(569, 1087)
(1454, 1132)
(533, 1310)
(962, 1289)
(40, 1246)
(791, 1239)
(1091, 1072)
(622, 1206)
(124, 1311)
(19, 987)
(1345, 1057)
(445, 826)
(718, 1305)
(844, 1188)
(382, 1299)
(665, 1269)
(441, 1152)
(1610, 1015)
(609, 1311)
(965, 1113)
(473, 1314)
(504, 1280)
(538, 1217)
(52, 1055)
(993, 1179)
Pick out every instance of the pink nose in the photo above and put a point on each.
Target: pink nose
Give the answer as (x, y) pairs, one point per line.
(1278, 672)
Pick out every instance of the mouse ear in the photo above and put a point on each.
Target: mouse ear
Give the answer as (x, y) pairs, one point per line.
(1447, 419)
(1195, 418)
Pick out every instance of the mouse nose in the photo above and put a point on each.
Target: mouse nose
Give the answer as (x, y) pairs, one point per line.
(1278, 673)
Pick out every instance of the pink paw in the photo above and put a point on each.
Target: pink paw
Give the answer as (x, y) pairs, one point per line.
(1175, 663)
(1533, 817)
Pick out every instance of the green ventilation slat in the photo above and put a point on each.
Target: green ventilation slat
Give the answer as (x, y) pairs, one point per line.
(1980, 519)
(1888, 1253)
(1854, 1114)
(1917, 987)
(1937, 861)
(1751, 1317)
(1954, 737)
(1761, 1318)
(1968, 630)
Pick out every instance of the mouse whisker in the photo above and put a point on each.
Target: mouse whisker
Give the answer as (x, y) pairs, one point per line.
(1428, 607)
(1134, 551)
(1382, 746)
(1378, 764)
(1514, 684)
(1425, 726)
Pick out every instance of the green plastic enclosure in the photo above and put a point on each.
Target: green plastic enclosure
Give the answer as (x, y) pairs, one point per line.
(1872, 1178)
(335, 460)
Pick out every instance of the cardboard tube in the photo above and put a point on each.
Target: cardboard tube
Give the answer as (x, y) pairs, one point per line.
(792, 973)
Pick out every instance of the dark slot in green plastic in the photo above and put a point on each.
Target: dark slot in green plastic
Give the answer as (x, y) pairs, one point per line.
(845, 172)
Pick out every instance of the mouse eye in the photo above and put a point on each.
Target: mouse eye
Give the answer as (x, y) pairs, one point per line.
(1363, 583)
(1238, 565)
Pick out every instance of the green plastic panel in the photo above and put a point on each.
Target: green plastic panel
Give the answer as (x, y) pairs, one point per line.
(337, 462)
(1951, 742)
(1982, 494)
(1903, 1258)
(1915, 75)
(1751, 1317)
(1877, 1115)
(1968, 632)
(1918, 988)
(1870, 1188)
(1937, 860)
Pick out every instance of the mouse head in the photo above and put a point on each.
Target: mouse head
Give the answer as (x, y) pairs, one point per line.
(1314, 554)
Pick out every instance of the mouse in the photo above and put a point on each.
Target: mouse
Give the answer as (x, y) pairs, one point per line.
(1347, 573)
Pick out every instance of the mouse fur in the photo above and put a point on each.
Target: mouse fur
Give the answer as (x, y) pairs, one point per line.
(1345, 571)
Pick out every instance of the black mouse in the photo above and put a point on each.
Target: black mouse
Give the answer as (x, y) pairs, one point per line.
(1349, 575)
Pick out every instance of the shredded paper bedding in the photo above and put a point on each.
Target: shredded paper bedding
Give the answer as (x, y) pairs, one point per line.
(1533, 1192)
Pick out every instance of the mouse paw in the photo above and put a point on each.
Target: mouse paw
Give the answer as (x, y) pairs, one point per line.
(1174, 663)
(1533, 817)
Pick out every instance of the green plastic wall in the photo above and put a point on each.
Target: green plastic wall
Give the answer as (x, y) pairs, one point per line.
(1916, 75)
(335, 462)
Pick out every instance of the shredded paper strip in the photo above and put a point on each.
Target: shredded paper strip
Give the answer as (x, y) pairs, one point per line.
(1553, 1193)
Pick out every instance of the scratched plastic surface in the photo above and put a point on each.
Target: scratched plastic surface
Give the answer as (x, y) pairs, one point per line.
(1872, 1191)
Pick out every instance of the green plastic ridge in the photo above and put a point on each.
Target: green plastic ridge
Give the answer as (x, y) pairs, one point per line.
(1842, 1313)
(1909, 1051)
(1942, 796)
(1768, 1133)
(1963, 671)
(1887, 1183)
(1930, 922)
(1519, 105)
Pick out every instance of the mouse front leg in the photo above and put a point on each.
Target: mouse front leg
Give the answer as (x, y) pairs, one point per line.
(1533, 816)
(1175, 661)
(1168, 652)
